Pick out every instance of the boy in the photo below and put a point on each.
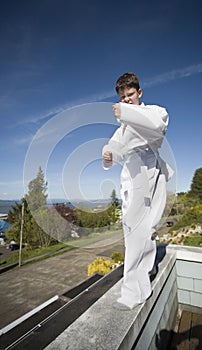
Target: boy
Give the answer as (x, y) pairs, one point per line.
(143, 184)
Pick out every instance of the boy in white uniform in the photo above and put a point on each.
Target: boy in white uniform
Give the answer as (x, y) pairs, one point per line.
(143, 184)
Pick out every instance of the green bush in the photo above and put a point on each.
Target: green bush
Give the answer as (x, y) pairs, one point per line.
(194, 240)
(191, 217)
(117, 257)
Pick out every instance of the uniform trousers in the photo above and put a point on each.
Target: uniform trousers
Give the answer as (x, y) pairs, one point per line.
(143, 193)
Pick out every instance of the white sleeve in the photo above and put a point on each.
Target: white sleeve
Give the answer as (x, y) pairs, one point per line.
(149, 121)
(115, 147)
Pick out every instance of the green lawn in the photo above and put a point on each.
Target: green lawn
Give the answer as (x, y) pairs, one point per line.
(96, 237)
(36, 254)
(194, 240)
(29, 256)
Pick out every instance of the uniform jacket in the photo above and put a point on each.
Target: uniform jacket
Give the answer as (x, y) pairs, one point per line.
(143, 128)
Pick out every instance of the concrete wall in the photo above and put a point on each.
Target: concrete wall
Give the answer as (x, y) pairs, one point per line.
(148, 326)
(189, 277)
(162, 317)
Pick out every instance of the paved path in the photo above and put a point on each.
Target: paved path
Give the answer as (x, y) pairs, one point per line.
(22, 289)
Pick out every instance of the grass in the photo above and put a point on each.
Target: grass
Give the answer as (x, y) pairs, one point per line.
(96, 237)
(194, 240)
(36, 254)
(30, 256)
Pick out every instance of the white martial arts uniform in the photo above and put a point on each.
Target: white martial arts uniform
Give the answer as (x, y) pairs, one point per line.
(135, 144)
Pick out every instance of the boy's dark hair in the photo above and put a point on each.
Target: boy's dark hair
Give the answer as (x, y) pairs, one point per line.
(127, 80)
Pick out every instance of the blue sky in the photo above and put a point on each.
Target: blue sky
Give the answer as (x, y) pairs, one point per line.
(57, 55)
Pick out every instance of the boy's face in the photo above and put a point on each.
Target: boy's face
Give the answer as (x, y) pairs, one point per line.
(130, 95)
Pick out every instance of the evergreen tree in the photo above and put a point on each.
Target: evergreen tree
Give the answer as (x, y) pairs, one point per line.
(112, 210)
(114, 199)
(14, 213)
(37, 188)
(196, 186)
(35, 215)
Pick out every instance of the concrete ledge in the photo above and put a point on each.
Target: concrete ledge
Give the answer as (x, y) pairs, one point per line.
(90, 322)
(103, 327)
(185, 252)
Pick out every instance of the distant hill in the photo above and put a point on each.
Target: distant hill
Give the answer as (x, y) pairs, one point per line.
(6, 205)
(78, 203)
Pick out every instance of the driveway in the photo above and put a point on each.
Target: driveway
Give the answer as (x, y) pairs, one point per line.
(25, 288)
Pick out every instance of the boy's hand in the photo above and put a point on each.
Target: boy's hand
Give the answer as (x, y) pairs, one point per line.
(107, 157)
(116, 110)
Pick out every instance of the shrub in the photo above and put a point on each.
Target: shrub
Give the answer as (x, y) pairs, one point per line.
(100, 265)
(194, 241)
(117, 257)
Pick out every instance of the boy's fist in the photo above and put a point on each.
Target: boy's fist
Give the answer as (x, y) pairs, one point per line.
(107, 157)
(116, 110)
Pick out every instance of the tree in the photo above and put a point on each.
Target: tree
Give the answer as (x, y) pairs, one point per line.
(14, 218)
(113, 208)
(36, 200)
(36, 215)
(66, 212)
(114, 198)
(14, 213)
(37, 188)
(92, 220)
(33, 234)
(190, 217)
(196, 186)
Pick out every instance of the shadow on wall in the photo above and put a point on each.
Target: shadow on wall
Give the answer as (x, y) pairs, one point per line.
(190, 339)
(160, 253)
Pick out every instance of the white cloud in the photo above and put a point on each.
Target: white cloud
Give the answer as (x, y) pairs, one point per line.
(173, 75)
(23, 140)
(156, 80)
(59, 109)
